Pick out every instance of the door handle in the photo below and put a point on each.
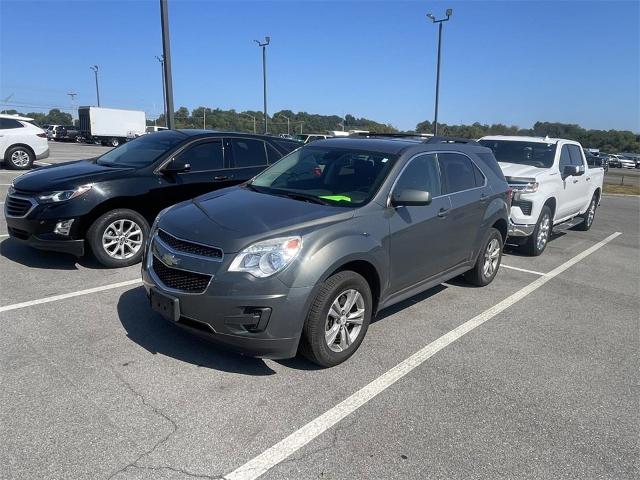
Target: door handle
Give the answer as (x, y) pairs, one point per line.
(222, 178)
(575, 180)
(588, 179)
(443, 212)
(483, 197)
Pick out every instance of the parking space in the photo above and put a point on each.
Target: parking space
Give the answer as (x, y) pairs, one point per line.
(97, 386)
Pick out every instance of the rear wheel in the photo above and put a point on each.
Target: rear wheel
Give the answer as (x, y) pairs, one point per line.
(19, 158)
(538, 240)
(589, 215)
(338, 319)
(115, 142)
(117, 238)
(488, 263)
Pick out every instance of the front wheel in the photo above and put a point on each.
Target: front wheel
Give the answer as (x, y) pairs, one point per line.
(337, 320)
(117, 238)
(538, 240)
(489, 258)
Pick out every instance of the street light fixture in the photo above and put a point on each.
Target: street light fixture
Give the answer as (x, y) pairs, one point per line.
(448, 13)
(160, 59)
(288, 122)
(254, 120)
(264, 44)
(95, 71)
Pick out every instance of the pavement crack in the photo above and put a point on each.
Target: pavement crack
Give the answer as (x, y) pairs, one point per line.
(178, 470)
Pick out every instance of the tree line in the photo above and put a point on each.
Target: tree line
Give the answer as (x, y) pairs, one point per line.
(54, 117)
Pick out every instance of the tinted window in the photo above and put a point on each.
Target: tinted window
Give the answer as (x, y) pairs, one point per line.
(490, 161)
(248, 152)
(421, 174)
(565, 158)
(142, 151)
(576, 155)
(6, 123)
(288, 147)
(457, 172)
(272, 154)
(204, 156)
(536, 154)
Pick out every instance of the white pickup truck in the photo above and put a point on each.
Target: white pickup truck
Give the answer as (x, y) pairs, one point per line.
(552, 184)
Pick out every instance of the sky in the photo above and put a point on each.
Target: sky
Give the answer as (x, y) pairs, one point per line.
(512, 62)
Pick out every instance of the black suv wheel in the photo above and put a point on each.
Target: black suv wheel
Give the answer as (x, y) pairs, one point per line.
(117, 238)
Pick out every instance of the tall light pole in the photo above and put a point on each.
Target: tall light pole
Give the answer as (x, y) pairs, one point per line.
(160, 59)
(166, 63)
(439, 22)
(72, 96)
(288, 122)
(264, 76)
(95, 71)
(254, 120)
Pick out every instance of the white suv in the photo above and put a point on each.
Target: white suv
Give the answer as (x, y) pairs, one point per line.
(21, 142)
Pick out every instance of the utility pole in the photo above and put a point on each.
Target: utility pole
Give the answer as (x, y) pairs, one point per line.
(264, 44)
(439, 22)
(288, 122)
(72, 96)
(204, 118)
(164, 92)
(253, 118)
(95, 71)
(166, 63)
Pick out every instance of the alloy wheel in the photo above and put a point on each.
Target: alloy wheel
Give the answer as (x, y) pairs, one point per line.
(491, 258)
(344, 320)
(20, 158)
(592, 212)
(122, 239)
(543, 232)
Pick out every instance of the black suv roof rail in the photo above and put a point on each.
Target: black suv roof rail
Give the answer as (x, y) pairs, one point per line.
(443, 139)
(389, 135)
(426, 138)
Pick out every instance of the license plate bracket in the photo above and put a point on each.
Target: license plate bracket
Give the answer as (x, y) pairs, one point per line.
(168, 307)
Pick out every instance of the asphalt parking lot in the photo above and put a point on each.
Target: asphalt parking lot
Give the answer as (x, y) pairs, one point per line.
(534, 376)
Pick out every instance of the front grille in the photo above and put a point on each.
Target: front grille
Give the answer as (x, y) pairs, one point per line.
(17, 207)
(189, 247)
(524, 206)
(180, 279)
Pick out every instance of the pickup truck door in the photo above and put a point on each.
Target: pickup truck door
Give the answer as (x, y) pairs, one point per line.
(569, 194)
(583, 185)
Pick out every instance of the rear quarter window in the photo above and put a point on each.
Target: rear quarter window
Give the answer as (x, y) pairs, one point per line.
(490, 161)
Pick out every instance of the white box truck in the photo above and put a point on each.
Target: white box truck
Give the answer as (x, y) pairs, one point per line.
(110, 126)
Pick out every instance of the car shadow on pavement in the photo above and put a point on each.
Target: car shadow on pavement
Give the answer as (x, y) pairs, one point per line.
(393, 309)
(156, 335)
(516, 251)
(33, 258)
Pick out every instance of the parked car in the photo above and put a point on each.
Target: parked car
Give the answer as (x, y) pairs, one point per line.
(51, 130)
(597, 161)
(552, 185)
(310, 137)
(107, 203)
(21, 142)
(305, 254)
(614, 160)
(627, 159)
(149, 129)
(68, 133)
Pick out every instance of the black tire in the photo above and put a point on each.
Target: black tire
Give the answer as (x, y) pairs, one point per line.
(589, 215)
(114, 142)
(487, 264)
(99, 227)
(313, 344)
(537, 242)
(15, 158)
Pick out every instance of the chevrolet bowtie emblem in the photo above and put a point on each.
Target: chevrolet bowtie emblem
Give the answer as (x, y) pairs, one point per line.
(170, 260)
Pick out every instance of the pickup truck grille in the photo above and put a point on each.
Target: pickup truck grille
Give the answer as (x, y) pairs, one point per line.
(189, 247)
(177, 279)
(525, 206)
(17, 206)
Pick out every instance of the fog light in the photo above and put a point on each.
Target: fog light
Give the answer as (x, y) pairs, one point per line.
(63, 227)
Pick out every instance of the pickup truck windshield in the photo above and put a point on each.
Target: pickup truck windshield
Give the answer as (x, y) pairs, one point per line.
(333, 176)
(142, 151)
(535, 154)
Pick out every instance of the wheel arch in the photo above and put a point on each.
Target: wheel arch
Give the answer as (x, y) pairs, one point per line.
(551, 203)
(112, 204)
(369, 272)
(24, 145)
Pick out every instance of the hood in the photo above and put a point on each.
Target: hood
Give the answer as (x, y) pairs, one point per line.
(522, 171)
(65, 176)
(233, 218)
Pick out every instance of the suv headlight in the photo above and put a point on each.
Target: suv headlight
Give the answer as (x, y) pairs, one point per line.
(63, 195)
(266, 258)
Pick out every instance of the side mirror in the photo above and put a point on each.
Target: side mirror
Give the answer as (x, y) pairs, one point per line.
(176, 166)
(410, 198)
(570, 171)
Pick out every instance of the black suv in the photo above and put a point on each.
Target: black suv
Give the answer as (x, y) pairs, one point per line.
(111, 200)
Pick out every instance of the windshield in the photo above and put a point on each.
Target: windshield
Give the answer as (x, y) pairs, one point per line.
(335, 176)
(535, 154)
(142, 151)
(301, 138)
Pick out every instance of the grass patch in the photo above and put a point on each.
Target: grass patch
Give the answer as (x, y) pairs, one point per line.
(624, 189)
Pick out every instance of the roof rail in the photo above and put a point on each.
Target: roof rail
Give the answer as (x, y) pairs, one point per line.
(391, 135)
(441, 139)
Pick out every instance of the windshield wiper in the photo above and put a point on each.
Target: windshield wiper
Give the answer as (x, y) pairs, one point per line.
(301, 196)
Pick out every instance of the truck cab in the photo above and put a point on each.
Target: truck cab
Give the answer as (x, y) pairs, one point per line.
(552, 184)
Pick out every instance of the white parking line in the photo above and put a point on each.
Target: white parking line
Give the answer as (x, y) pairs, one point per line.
(521, 269)
(259, 465)
(55, 298)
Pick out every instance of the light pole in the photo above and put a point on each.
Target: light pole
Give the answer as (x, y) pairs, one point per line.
(166, 63)
(72, 96)
(253, 118)
(164, 93)
(264, 76)
(439, 22)
(95, 71)
(288, 122)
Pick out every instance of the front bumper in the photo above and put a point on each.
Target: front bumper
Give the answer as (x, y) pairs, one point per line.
(255, 317)
(520, 230)
(50, 242)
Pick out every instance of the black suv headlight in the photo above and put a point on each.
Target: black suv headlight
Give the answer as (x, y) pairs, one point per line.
(63, 195)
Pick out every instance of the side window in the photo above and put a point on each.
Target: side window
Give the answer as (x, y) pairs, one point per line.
(204, 156)
(6, 123)
(565, 158)
(272, 154)
(457, 171)
(421, 174)
(576, 155)
(248, 152)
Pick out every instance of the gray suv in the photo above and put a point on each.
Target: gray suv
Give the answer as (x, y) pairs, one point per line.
(303, 256)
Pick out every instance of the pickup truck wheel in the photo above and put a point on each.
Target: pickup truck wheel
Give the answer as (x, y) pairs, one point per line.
(117, 238)
(538, 240)
(589, 215)
(488, 261)
(337, 320)
(19, 158)
(114, 142)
